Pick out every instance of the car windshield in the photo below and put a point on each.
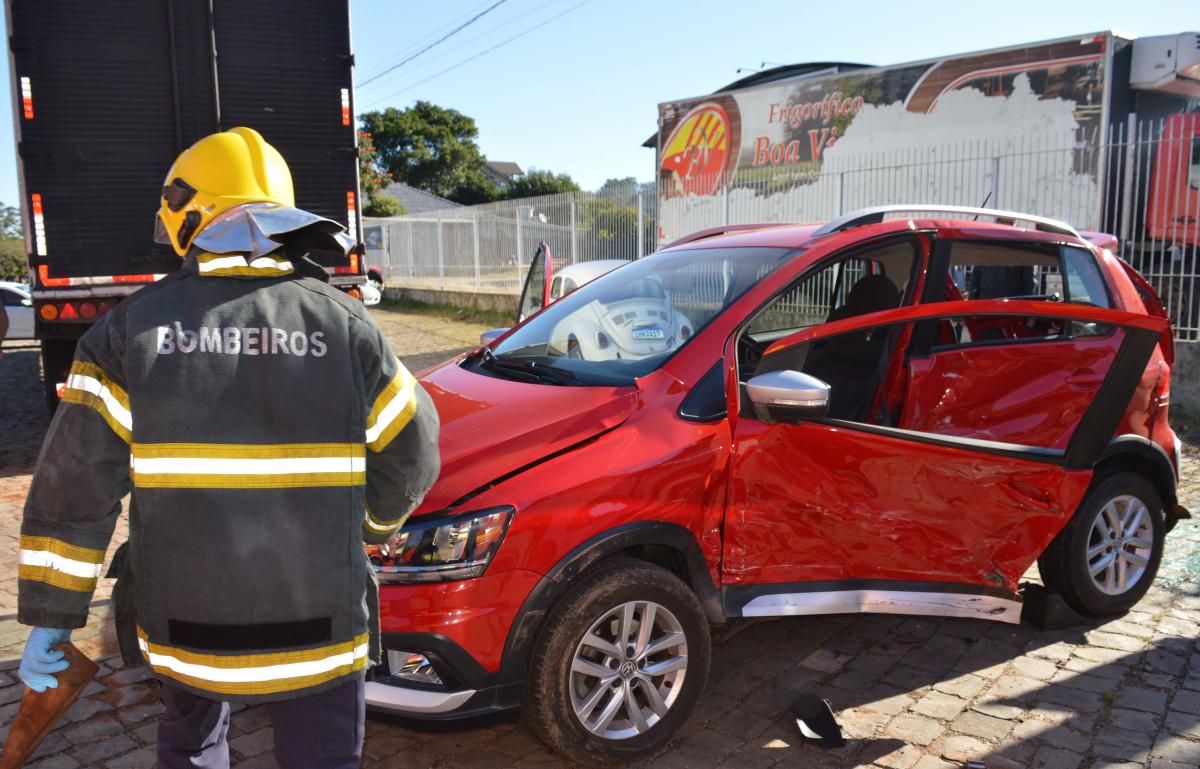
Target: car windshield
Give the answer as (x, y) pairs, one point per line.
(627, 323)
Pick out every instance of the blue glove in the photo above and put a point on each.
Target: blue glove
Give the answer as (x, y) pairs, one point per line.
(41, 660)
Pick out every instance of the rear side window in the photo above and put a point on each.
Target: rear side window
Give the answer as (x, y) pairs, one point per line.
(1028, 272)
(12, 298)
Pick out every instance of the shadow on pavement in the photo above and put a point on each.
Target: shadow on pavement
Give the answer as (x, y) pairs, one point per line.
(23, 417)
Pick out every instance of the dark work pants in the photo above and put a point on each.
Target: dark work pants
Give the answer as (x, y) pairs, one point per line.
(320, 731)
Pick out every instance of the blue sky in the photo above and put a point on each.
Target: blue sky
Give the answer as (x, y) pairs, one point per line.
(578, 94)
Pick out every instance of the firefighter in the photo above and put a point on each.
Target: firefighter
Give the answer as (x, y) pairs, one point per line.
(264, 430)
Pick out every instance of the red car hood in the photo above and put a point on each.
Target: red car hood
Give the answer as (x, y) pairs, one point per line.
(491, 426)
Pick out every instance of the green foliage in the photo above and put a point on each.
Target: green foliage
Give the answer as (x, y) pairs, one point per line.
(537, 182)
(431, 148)
(12, 245)
(12, 258)
(371, 177)
(382, 205)
(10, 222)
(623, 191)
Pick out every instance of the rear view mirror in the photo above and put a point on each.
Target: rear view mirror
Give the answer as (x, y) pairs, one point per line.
(787, 396)
(491, 335)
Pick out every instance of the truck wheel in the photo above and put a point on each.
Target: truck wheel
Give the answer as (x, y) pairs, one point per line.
(57, 355)
(1105, 558)
(619, 664)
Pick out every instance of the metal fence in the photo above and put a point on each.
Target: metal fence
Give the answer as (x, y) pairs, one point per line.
(1140, 182)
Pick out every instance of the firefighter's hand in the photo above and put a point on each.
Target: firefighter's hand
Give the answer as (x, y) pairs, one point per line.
(41, 660)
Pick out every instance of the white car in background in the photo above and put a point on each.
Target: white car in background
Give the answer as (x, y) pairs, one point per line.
(18, 305)
(563, 283)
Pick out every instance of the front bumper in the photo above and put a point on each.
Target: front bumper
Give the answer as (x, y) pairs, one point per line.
(463, 628)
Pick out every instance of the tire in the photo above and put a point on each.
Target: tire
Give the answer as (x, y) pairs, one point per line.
(1066, 568)
(594, 606)
(57, 355)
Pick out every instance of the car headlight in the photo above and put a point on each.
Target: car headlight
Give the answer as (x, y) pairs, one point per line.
(445, 549)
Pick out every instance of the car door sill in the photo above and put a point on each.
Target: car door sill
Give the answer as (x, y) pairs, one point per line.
(886, 597)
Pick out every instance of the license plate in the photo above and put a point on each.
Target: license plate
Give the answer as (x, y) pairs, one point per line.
(648, 332)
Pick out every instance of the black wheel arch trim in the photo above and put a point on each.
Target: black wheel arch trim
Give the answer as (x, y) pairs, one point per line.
(1166, 481)
(587, 554)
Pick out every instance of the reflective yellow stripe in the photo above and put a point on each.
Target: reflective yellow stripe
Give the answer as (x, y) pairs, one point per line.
(393, 410)
(58, 563)
(56, 578)
(65, 549)
(88, 385)
(379, 526)
(263, 466)
(238, 265)
(256, 673)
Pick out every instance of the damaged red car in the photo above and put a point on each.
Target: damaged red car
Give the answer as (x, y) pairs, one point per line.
(898, 411)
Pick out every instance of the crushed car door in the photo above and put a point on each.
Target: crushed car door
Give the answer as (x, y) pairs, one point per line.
(831, 515)
(536, 293)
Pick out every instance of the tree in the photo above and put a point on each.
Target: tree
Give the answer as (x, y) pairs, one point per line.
(431, 148)
(371, 178)
(621, 191)
(383, 205)
(12, 245)
(537, 182)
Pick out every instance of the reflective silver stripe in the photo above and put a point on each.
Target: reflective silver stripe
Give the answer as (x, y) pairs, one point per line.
(885, 602)
(88, 384)
(264, 263)
(222, 466)
(60, 563)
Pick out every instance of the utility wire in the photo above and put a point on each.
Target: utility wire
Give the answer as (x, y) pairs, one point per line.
(481, 53)
(441, 39)
(378, 66)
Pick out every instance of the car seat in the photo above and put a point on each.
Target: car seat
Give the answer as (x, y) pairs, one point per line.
(850, 363)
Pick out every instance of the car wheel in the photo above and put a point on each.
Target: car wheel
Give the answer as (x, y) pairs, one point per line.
(1105, 558)
(618, 665)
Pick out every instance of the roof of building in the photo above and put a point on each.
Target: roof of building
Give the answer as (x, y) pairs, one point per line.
(504, 168)
(416, 201)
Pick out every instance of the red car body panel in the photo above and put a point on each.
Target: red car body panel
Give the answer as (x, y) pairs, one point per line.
(775, 503)
(819, 502)
(490, 427)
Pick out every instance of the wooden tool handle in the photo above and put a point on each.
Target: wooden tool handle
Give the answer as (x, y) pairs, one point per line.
(40, 712)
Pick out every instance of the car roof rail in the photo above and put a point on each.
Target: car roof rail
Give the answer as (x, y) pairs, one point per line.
(875, 214)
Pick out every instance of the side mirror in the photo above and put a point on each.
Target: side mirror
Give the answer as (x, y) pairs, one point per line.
(491, 335)
(787, 396)
(26, 302)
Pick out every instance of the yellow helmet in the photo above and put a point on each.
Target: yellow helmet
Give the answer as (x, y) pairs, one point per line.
(216, 173)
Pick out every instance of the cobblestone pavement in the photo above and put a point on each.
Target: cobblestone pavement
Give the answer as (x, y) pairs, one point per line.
(911, 693)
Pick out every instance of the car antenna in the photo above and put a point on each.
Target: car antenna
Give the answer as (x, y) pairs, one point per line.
(983, 204)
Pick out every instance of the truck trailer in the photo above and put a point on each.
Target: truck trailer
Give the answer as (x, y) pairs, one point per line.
(1101, 129)
(106, 95)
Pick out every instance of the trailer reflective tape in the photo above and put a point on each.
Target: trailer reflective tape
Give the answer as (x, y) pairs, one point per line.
(257, 466)
(58, 563)
(88, 385)
(392, 410)
(27, 98)
(345, 106)
(225, 265)
(44, 279)
(351, 219)
(39, 224)
(256, 673)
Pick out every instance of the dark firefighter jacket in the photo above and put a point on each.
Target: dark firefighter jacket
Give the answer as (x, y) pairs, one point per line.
(265, 431)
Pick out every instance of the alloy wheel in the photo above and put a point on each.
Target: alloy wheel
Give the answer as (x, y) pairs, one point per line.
(1120, 544)
(628, 670)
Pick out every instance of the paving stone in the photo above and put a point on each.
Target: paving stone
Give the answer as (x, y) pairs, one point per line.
(939, 705)
(142, 758)
(1032, 667)
(914, 729)
(1186, 724)
(1173, 664)
(965, 686)
(93, 729)
(253, 743)
(932, 762)
(1187, 702)
(1134, 720)
(107, 748)
(1055, 758)
(1139, 698)
(1177, 749)
(886, 699)
(979, 725)
(903, 757)
(60, 761)
(1117, 641)
(960, 747)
